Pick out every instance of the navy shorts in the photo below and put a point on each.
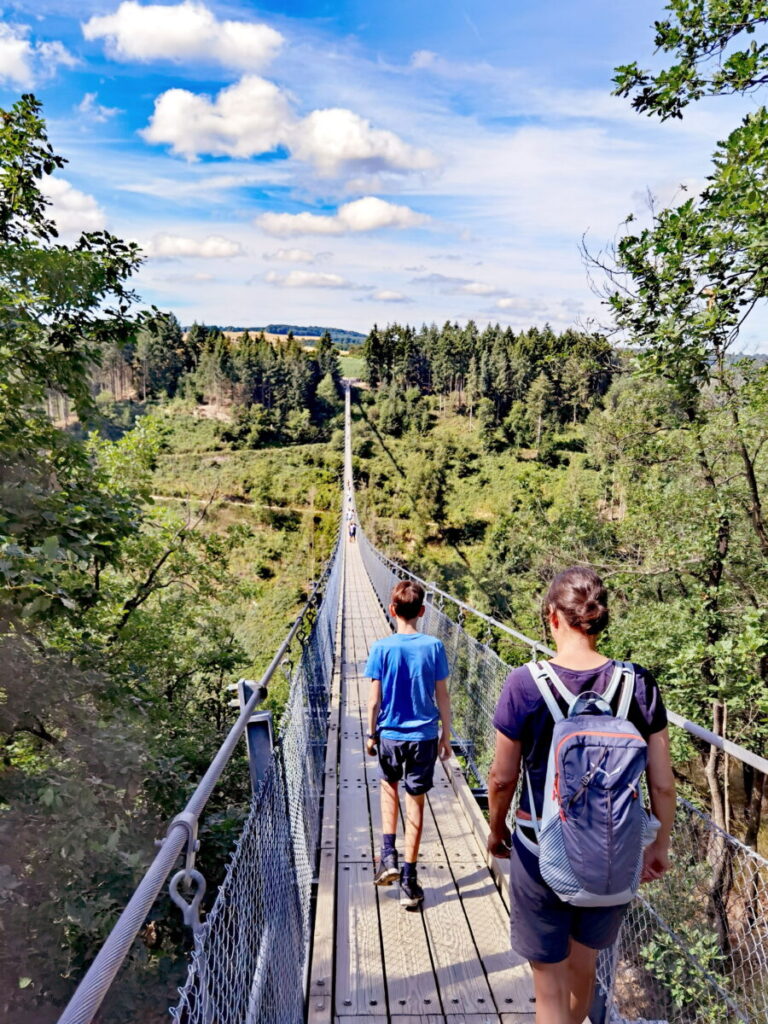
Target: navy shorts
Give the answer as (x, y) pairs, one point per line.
(412, 760)
(542, 925)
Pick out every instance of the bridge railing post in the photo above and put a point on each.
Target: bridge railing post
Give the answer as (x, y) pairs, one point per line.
(259, 735)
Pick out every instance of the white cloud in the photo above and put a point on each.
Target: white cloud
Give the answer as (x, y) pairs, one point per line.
(254, 116)
(422, 59)
(367, 214)
(94, 111)
(24, 63)
(183, 32)
(385, 295)
(246, 118)
(460, 285)
(200, 278)
(295, 256)
(72, 210)
(306, 279)
(477, 288)
(213, 247)
(336, 138)
(187, 186)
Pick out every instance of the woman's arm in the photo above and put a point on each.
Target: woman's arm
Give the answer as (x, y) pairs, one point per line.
(374, 703)
(661, 790)
(502, 783)
(444, 709)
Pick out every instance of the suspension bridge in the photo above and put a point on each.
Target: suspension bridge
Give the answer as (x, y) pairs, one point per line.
(297, 931)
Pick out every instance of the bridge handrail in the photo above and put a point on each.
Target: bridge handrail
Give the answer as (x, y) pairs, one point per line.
(396, 567)
(90, 993)
(698, 731)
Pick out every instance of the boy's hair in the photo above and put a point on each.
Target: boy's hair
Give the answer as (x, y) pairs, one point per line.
(580, 595)
(408, 598)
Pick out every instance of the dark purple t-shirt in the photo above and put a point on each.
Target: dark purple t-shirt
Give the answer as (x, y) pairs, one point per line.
(521, 713)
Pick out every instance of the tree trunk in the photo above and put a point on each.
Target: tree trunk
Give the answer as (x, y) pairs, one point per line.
(755, 508)
(754, 793)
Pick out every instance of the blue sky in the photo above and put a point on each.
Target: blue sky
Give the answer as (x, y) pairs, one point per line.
(354, 161)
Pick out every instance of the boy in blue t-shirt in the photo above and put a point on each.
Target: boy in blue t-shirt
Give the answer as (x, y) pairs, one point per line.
(408, 696)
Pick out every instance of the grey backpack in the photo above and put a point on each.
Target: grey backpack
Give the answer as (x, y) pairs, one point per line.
(593, 826)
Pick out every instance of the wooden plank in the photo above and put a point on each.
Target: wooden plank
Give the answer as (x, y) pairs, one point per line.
(321, 975)
(354, 839)
(411, 983)
(429, 1018)
(328, 829)
(361, 1020)
(359, 965)
(499, 868)
(460, 974)
(472, 1018)
(320, 982)
(509, 975)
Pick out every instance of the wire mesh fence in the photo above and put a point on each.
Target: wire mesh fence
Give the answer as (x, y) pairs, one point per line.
(693, 948)
(250, 955)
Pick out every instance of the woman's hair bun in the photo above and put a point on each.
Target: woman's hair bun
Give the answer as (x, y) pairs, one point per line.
(580, 595)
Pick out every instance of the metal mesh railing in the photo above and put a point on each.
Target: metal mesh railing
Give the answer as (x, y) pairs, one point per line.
(694, 946)
(250, 955)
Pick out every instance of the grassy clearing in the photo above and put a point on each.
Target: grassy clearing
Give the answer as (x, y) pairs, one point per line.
(352, 366)
(283, 501)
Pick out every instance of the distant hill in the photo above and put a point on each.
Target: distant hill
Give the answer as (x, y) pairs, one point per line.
(339, 336)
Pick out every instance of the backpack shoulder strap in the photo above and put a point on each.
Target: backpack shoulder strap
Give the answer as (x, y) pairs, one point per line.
(541, 677)
(614, 683)
(628, 689)
(569, 698)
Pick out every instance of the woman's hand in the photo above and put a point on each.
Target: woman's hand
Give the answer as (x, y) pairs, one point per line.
(655, 862)
(500, 845)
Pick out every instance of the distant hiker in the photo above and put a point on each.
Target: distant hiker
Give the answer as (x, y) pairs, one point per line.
(408, 696)
(353, 533)
(584, 729)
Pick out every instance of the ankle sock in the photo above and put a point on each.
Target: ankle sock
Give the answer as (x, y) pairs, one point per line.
(387, 844)
(409, 870)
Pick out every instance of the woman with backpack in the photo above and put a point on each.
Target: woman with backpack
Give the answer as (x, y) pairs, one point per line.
(583, 729)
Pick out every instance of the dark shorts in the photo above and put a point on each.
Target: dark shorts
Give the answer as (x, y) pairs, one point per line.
(412, 760)
(542, 925)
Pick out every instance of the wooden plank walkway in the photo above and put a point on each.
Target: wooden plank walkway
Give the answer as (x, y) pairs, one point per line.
(374, 962)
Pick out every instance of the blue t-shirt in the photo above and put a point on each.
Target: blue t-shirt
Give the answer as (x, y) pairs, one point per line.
(408, 665)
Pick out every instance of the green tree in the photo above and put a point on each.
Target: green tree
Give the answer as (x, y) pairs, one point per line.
(61, 308)
(159, 357)
(704, 37)
(540, 398)
(327, 357)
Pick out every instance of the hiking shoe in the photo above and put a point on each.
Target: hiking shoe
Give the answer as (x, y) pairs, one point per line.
(411, 893)
(387, 871)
